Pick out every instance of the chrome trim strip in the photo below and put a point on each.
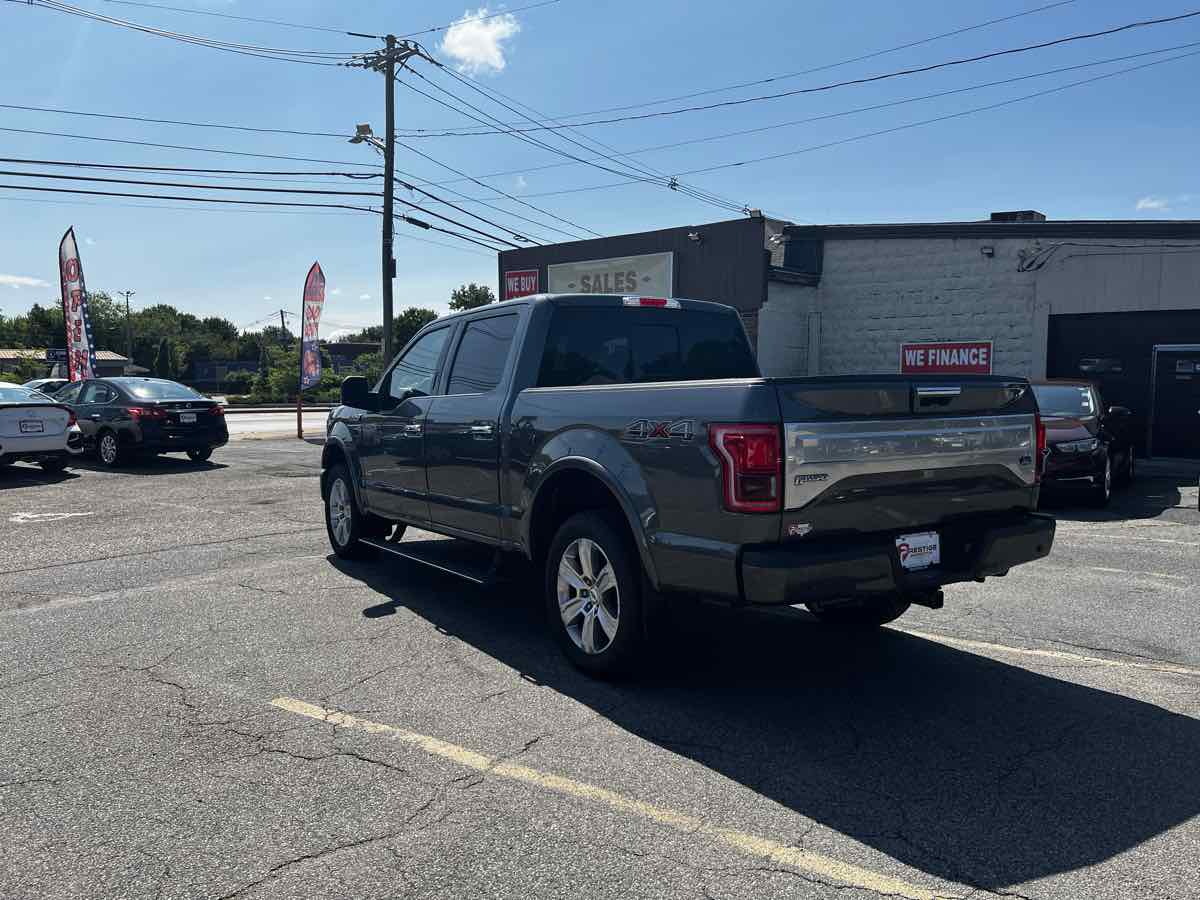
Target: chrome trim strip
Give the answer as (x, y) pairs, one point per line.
(821, 454)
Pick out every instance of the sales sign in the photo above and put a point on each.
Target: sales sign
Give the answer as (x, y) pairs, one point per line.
(520, 283)
(650, 274)
(310, 350)
(81, 349)
(947, 358)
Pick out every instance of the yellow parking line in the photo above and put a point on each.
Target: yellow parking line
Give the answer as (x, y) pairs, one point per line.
(987, 646)
(807, 862)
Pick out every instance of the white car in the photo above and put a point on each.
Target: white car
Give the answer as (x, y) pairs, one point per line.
(36, 429)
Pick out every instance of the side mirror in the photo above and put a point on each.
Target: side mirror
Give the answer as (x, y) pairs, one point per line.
(356, 392)
(1120, 412)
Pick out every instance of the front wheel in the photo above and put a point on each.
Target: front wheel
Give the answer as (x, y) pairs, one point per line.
(593, 594)
(345, 523)
(864, 614)
(1102, 491)
(200, 455)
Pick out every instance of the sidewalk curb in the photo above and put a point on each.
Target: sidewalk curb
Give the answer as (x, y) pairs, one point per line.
(310, 437)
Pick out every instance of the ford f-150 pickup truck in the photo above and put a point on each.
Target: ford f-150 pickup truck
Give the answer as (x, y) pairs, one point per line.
(630, 448)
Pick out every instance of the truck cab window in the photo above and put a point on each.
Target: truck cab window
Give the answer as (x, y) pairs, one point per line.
(482, 355)
(414, 374)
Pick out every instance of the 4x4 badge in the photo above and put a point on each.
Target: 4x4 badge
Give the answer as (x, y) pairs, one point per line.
(649, 430)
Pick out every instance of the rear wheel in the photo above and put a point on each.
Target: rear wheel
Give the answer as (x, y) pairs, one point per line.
(53, 465)
(1130, 474)
(593, 594)
(108, 449)
(861, 614)
(201, 455)
(345, 523)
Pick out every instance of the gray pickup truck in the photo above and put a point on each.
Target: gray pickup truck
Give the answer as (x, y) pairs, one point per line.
(630, 449)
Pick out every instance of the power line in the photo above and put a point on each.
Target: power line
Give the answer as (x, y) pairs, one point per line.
(88, 137)
(153, 121)
(428, 227)
(506, 12)
(219, 15)
(827, 66)
(177, 184)
(437, 199)
(884, 131)
(29, 187)
(437, 215)
(507, 129)
(848, 112)
(141, 168)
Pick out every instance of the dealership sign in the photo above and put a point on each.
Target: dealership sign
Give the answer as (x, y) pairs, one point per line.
(947, 358)
(649, 274)
(520, 283)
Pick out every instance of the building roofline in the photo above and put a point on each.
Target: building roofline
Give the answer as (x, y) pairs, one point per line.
(1131, 229)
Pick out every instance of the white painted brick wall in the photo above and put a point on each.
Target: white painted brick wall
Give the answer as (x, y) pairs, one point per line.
(783, 329)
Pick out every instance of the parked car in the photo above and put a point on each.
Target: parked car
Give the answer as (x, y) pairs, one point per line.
(629, 447)
(122, 417)
(47, 386)
(34, 428)
(1090, 444)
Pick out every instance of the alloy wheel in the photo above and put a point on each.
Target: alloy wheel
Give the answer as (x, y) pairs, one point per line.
(108, 449)
(589, 600)
(340, 512)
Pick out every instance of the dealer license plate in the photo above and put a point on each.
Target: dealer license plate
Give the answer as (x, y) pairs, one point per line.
(187, 418)
(32, 426)
(919, 551)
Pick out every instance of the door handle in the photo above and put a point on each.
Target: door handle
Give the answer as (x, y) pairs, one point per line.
(412, 430)
(482, 431)
(95, 417)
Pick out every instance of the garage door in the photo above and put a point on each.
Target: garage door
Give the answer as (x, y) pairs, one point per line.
(1116, 350)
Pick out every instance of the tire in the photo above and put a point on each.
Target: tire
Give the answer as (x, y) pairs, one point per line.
(1102, 493)
(108, 449)
(867, 614)
(53, 466)
(599, 629)
(199, 456)
(1130, 469)
(345, 523)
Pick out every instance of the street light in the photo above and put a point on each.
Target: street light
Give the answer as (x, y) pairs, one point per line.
(364, 135)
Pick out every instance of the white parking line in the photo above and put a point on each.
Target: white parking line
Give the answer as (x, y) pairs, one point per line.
(815, 864)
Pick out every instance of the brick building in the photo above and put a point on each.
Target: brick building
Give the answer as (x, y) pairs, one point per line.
(1117, 302)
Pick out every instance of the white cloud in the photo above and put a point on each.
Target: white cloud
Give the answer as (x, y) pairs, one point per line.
(91, 242)
(364, 296)
(335, 292)
(267, 298)
(476, 41)
(19, 281)
(1154, 204)
(521, 183)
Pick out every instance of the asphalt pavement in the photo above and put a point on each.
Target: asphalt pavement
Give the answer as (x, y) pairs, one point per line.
(199, 701)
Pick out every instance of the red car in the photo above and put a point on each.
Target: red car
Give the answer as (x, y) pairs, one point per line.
(1089, 445)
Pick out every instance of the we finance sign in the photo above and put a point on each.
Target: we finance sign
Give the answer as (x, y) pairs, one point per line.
(947, 358)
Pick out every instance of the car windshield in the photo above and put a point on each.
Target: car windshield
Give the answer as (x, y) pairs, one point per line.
(14, 394)
(1065, 400)
(160, 390)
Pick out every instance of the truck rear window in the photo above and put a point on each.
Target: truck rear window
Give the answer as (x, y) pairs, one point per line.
(624, 346)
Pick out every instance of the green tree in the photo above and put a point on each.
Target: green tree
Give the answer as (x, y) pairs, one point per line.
(469, 296)
(27, 370)
(409, 323)
(164, 363)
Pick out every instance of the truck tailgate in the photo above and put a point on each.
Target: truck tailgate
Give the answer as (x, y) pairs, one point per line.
(895, 453)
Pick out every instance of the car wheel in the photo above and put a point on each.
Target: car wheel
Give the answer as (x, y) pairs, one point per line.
(865, 614)
(1130, 472)
(200, 456)
(108, 449)
(346, 524)
(53, 466)
(593, 594)
(1102, 492)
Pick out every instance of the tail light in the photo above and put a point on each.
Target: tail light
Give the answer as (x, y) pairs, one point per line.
(152, 413)
(651, 302)
(217, 410)
(1039, 464)
(751, 464)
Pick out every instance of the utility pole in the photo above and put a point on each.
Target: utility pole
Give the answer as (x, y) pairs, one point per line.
(282, 328)
(385, 61)
(128, 331)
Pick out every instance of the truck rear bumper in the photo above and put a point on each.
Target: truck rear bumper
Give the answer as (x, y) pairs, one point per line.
(803, 571)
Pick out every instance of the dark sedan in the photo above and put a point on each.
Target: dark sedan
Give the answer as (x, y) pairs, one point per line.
(123, 417)
(1089, 445)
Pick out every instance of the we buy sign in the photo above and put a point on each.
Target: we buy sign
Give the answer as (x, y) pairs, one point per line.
(947, 358)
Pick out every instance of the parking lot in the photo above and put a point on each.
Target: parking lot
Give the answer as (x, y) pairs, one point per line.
(200, 701)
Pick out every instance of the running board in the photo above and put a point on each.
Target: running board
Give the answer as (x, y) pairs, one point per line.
(472, 562)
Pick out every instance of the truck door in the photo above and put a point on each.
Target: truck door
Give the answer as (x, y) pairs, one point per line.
(392, 444)
(462, 429)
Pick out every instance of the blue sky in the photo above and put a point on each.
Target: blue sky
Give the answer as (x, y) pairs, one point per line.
(1124, 147)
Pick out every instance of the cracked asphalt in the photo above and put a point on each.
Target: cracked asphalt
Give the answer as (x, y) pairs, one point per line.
(160, 645)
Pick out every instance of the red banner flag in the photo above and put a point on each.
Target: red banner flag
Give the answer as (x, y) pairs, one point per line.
(310, 350)
(81, 348)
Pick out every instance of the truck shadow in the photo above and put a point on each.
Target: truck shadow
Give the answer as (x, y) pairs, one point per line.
(963, 767)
